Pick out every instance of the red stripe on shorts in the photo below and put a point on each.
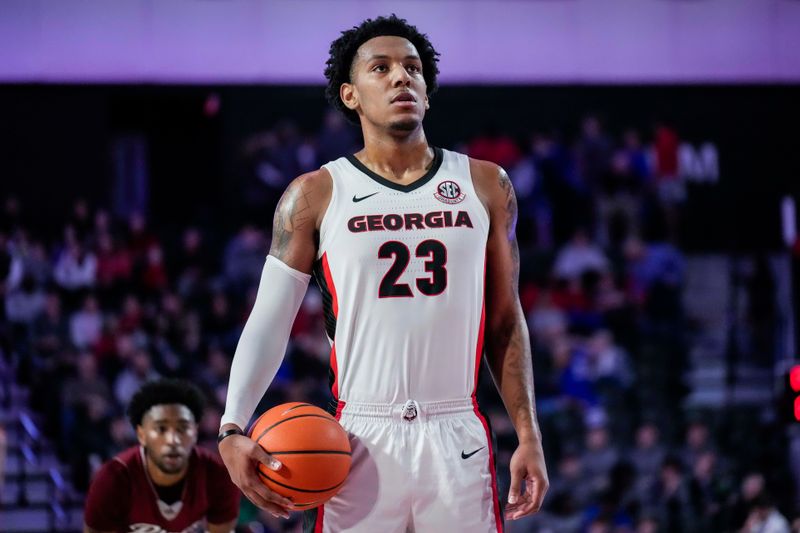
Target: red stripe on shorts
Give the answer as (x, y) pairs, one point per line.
(495, 498)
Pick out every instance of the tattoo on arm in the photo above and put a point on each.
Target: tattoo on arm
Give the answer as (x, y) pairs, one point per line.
(292, 214)
(510, 345)
(511, 223)
(511, 203)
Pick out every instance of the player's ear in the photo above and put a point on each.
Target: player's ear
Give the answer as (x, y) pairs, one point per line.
(349, 95)
(427, 103)
(140, 434)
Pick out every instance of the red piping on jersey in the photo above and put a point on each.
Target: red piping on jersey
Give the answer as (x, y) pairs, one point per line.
(495, 498)
(326, 269)
(321, 509)
(479, 347)
(329, 281)
(334, 366)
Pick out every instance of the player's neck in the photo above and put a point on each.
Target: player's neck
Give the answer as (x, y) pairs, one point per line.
(162, 479)
(398, 159)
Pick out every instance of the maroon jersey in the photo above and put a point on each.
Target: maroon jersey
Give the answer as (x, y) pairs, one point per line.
(122, 497)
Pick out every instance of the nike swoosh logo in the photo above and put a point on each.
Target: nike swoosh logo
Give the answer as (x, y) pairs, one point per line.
(468, 455)
(356, 199)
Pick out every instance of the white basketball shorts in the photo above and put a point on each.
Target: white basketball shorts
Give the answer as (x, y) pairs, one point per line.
(417, 467)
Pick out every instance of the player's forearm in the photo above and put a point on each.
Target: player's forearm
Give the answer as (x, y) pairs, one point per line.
(264, 338)
(509, 356)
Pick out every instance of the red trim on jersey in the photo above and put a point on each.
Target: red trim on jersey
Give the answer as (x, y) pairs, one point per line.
(339, 409)
(495, 498)
(335, 368)
(326, 269)
(329, 281)
(479, 347)
(321, 509)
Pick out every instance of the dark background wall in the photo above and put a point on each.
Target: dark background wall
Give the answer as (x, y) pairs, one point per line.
(55, 142)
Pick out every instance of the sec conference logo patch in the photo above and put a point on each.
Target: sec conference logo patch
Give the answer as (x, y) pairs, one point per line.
(449, 192)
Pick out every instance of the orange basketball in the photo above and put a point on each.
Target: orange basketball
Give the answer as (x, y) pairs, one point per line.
(311, 445)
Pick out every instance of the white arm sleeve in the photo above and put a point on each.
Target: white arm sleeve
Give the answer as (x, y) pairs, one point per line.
(264, 338)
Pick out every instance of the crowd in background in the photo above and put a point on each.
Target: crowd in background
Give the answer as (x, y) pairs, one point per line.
(111, 302)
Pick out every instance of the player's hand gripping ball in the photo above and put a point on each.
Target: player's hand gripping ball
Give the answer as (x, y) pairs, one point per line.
(313, 448)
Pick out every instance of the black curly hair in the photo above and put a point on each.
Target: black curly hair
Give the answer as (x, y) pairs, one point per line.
(338, 68)
(164, 392)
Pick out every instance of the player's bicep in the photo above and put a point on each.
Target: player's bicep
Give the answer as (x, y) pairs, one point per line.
(502, 251)
(296, 220)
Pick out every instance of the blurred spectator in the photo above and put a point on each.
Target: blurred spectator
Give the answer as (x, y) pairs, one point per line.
(79, 392)
(709, 488)
(154, 273)
(91, 442)
(192, 266)
(244, 258)
(579, 256)
(698, 442)
(50, 332)
(114, 265)
(220, 325)
(665, 145)
(546, 320)
(132, 315)
(593, 152)
(765, 518)
(609, 363)
(76, 268)
(570, 482)
(25, 303)
(122, 435)
(739, 506)
(619, 203)
(140, 239)
(492, 145)
(673, 498)
(647, 524)
(85, 325)
(599, 456)
(29, 260)
(647, 456)
(656, 276)
(138, 371)
(212, 378)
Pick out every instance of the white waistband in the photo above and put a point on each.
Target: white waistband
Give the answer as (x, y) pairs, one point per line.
(410, 410)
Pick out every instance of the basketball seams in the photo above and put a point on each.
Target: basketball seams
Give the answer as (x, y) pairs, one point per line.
(326, 417)
(298, 406)
(313, 491)
(319, 452)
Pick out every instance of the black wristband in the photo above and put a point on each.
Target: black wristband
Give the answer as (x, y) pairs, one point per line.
(228, 433)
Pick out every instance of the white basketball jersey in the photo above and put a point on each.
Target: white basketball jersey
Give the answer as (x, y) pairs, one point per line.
(402, 269)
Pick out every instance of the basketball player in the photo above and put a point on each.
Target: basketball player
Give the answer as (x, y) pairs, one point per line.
(415, 252)
(166, 483)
